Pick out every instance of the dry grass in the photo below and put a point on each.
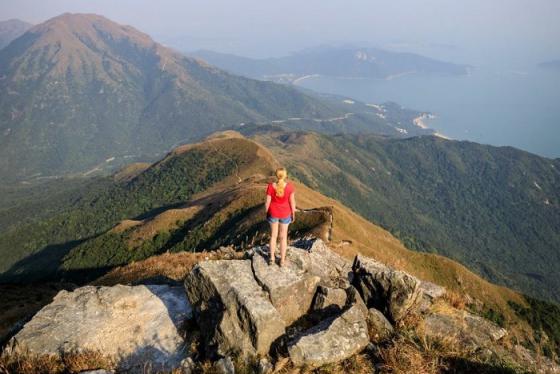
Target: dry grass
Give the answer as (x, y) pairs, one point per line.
(415, 352)
(358, 364)
(163, 222)
(174, 266)
(130, 171)
(455, 299)
(73, 362)
(125, 225)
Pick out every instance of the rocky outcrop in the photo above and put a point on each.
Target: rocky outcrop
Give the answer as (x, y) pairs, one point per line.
(129, 325)
(291, 290)
(235, 314)
(380, 328)
(314, 257)
(332, 340)
(244, 306)
(394, 292)
(318, 309)
(468, 328)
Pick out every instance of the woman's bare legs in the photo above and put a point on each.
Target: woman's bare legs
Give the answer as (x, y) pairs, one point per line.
(273, 239)
(283, 242)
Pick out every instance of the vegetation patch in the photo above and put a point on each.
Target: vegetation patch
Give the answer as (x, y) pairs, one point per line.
(544, 318)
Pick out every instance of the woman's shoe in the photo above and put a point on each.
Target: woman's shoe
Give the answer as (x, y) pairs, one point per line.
(271, 261)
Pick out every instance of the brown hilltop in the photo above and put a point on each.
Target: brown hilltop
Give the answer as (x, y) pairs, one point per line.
(89, 44)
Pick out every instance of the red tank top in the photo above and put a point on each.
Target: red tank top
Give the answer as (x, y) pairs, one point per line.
(280, 206)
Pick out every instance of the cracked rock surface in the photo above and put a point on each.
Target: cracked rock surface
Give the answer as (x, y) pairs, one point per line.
(234, 312)
(333, 340)
(127, 324)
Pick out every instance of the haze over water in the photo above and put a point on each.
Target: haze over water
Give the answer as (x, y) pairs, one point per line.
(490, 106)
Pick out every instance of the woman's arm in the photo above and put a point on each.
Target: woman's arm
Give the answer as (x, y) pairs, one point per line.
(293, 205)
(267, 204)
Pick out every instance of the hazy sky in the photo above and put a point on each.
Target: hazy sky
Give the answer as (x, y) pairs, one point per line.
(514, 32)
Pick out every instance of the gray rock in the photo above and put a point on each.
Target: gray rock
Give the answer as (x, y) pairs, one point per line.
(232, 310)
(394, 292)
(100, 371)
(130, 325)
(333, 340)
(380, 328)
(291, 291)
(224, 366)
(429, 292)
(313, 256)
(317, 259)
(468, 328)
(329, 298)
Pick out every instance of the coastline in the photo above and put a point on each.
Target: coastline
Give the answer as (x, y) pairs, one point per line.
(420, 121)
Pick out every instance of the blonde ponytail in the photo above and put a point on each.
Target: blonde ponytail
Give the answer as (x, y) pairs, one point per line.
(281, 175)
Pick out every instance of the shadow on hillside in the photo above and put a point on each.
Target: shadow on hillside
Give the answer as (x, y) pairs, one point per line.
(460, 365)
(43, 266)
(154, 212)
(20, 302)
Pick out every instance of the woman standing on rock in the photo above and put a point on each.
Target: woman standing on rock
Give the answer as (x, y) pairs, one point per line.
(280, 209)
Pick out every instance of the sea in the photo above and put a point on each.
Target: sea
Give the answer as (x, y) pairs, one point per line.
(519, 108)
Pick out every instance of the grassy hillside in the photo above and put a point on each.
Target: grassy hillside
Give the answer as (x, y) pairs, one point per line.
(496, 210)
(210, 194)
(105, 202)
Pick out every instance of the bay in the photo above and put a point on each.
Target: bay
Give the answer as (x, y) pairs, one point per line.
(519, 108)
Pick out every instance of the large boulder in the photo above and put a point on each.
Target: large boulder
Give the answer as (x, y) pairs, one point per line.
(332, 340)
(233, 311)
(394, 292)
(129, 325)
(466, 327)
(314, 257)
(290, 291)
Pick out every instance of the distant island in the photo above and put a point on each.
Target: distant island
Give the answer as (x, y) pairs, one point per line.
(550, 65)
(349, 62)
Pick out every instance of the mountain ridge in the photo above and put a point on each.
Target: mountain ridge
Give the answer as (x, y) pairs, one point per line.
(223, 180)
(12, 29)
(436, 194)
(84, 92)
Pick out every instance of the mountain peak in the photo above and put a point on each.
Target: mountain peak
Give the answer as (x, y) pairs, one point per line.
(79, 44)
(75, 25)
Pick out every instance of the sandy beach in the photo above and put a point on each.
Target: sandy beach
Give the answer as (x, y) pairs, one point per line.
(420, 122)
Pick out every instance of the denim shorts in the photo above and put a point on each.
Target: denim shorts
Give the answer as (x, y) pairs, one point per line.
(281, 220)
